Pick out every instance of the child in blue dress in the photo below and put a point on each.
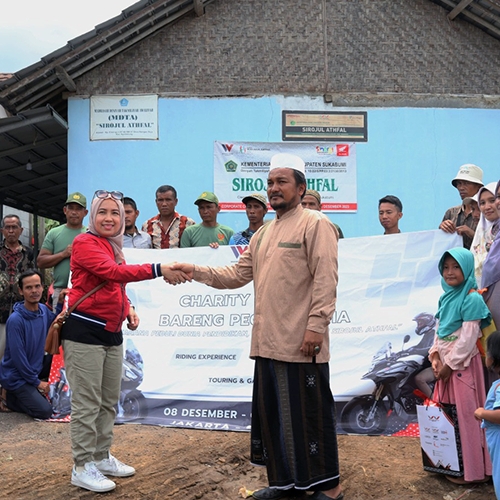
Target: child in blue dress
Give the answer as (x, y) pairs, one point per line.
(490, 414)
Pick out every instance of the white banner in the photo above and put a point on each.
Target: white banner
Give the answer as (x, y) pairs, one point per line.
(123, 117)
(241, 168)
(188, 362)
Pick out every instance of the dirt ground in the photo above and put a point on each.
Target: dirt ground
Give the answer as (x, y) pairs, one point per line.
(175, 464)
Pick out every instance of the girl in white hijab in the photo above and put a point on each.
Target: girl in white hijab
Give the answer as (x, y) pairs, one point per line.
(483, 238)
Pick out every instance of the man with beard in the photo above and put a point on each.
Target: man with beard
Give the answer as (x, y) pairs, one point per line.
(132, 237)
(57, 245)
(292, 261)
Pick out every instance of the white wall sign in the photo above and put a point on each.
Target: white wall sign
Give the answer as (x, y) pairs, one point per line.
(123, 117)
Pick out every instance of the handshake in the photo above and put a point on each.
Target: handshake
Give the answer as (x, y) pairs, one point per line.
(177, 273)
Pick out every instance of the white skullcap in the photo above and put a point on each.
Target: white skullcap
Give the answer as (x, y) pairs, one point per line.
(287, 160)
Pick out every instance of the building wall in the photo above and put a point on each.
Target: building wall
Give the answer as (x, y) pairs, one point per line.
(431, 89)
(308, 47)
(412, 153)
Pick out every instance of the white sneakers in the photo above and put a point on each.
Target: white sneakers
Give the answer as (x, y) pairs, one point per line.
(113, 467)
(92, 476)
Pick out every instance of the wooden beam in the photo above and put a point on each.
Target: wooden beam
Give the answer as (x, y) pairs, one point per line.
(458, 9)
(65, 79)
(475, 18)
(198, 7)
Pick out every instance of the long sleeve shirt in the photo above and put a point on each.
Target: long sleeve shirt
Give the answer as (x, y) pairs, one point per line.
(26, 333)
(293, 263)
(460, 347)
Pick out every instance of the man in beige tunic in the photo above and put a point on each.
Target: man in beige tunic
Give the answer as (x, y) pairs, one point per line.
(293, 263)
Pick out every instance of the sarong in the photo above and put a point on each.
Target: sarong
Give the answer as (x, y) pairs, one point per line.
(294, 425)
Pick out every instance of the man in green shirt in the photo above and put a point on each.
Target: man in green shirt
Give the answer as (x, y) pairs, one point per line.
(209, 232)
(56, 247)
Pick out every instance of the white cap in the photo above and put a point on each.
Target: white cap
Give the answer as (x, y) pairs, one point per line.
(287, 160)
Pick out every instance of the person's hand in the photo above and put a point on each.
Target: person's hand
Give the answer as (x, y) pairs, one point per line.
(173, 275)
(465, 231)
(67, 251)
(43, 387)
(132, 318)
(478, 414)
(312, 343)
(445, 373)
(448, 226)
(213, 245)
(62, 295)
(436, 366)
(186, 269)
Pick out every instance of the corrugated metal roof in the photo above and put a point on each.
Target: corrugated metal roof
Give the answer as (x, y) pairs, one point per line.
(45, 81)
(37, 131)
(33, 162)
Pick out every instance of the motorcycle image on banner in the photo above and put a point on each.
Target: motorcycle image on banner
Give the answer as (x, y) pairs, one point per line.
(393, 402)
(132, 403)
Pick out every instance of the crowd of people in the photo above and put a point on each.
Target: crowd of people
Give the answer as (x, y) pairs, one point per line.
(293, 427)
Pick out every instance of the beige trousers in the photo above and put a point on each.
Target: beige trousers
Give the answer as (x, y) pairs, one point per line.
(94, 374)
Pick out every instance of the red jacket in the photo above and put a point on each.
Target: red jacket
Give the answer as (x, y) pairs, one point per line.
(92, 262)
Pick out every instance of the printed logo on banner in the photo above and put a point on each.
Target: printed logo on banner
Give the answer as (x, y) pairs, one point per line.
(124, 102)
(342, 149)
(227, 147)
(238, 249)
(325, 150)
(230, 166)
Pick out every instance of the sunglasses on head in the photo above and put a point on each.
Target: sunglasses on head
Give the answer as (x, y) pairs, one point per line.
(101, 193)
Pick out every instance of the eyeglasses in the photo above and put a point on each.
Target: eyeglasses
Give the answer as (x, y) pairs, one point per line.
(11, 228)
(101, 193)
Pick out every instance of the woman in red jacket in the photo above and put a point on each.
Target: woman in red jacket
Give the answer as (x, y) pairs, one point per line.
(92, 338)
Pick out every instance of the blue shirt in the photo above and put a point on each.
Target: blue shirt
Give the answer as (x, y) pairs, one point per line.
(25, 346)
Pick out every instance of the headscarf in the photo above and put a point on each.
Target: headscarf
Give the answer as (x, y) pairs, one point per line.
(462, 302)
(482, 237)
(491, 266)
(116, 240)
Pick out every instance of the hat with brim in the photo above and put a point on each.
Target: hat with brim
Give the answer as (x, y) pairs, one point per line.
(257, 197)
(207, 196)
(287, 160)
(469, 172)
(77, 198)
